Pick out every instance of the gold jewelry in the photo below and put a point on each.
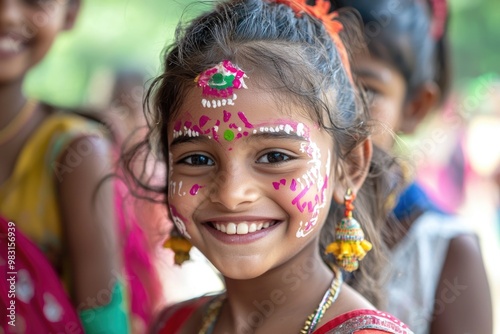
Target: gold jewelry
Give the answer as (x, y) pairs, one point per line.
(180, 246)
(17, 123)
(311, 322)
(328, 299)
(350, 245)
(211, 315)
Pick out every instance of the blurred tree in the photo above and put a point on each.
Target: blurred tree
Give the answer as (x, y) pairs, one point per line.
(475, 38)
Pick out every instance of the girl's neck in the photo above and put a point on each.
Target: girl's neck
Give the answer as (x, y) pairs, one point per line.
(11, 100)
(291, 291)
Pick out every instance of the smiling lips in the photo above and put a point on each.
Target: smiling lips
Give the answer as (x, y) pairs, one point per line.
(243, 227)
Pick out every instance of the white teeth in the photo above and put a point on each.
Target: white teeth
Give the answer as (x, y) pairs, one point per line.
(8, 44)
(231, 228)
(242, 228)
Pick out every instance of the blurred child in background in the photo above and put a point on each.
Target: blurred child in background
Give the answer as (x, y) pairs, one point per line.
(437, 281)
(53, 189)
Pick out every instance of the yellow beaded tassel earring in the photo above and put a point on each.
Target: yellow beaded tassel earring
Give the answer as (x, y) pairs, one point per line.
(180, 246)
(350, 245)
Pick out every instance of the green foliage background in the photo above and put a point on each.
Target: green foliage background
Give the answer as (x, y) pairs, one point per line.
(111, 35)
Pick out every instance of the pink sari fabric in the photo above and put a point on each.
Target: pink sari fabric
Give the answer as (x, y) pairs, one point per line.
(30, 290)
(141, 277)
(364, 321)
(173, 318)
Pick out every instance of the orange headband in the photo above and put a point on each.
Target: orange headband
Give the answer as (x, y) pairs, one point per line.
(321, 11)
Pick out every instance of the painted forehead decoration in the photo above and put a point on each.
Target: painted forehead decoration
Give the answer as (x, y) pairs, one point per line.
(219, 83)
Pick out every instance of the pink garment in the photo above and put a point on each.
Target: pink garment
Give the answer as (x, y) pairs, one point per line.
(138, 255)
(37, 301)
(360, 321)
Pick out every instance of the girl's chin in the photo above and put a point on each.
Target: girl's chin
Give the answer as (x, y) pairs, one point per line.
(241, 268)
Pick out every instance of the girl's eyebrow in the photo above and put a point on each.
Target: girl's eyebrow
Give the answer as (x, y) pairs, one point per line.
(253, 136)
(183, 139)
(277, 135)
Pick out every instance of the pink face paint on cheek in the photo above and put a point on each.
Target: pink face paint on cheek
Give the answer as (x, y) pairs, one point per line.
(293, 185)
(194, 189)
(318, 205)
(297, 199)
(277, 185)
(226, 116)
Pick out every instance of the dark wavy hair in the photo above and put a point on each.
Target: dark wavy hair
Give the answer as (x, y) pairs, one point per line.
(400, 33)
(301, 66)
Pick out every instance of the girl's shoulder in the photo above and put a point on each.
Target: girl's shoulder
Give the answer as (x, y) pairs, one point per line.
(61, 127)
(352, 313)
(364, 321)
(174, 318)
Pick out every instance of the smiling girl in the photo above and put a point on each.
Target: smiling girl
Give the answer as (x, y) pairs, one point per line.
(265, 138)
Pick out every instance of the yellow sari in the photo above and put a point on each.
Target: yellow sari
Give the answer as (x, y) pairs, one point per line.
(29, 197)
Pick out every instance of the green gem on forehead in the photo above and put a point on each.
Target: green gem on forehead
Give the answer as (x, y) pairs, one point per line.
(221, 81)
(228, 135)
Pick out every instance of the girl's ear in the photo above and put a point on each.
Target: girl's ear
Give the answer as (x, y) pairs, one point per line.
(354, 171)
(422, 102)
(71, 13)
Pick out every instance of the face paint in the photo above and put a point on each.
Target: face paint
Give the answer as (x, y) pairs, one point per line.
(320, 202)
(175, 189)
(310, 178)
(194, 189)
(219, 83)
(179, 221)
(284, 126)
(206, 125)
(277, 184)
(228, 135)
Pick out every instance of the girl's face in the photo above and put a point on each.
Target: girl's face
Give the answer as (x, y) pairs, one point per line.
(387, 90)
(249, 185)
(27, 30)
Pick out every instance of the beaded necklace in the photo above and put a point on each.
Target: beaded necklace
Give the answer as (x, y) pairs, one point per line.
(310, 324)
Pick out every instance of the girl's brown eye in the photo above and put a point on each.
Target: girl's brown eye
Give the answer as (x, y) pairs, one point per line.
(198, 160)
(273, 158)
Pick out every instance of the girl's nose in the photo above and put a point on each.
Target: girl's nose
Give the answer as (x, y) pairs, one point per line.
(234, 189)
